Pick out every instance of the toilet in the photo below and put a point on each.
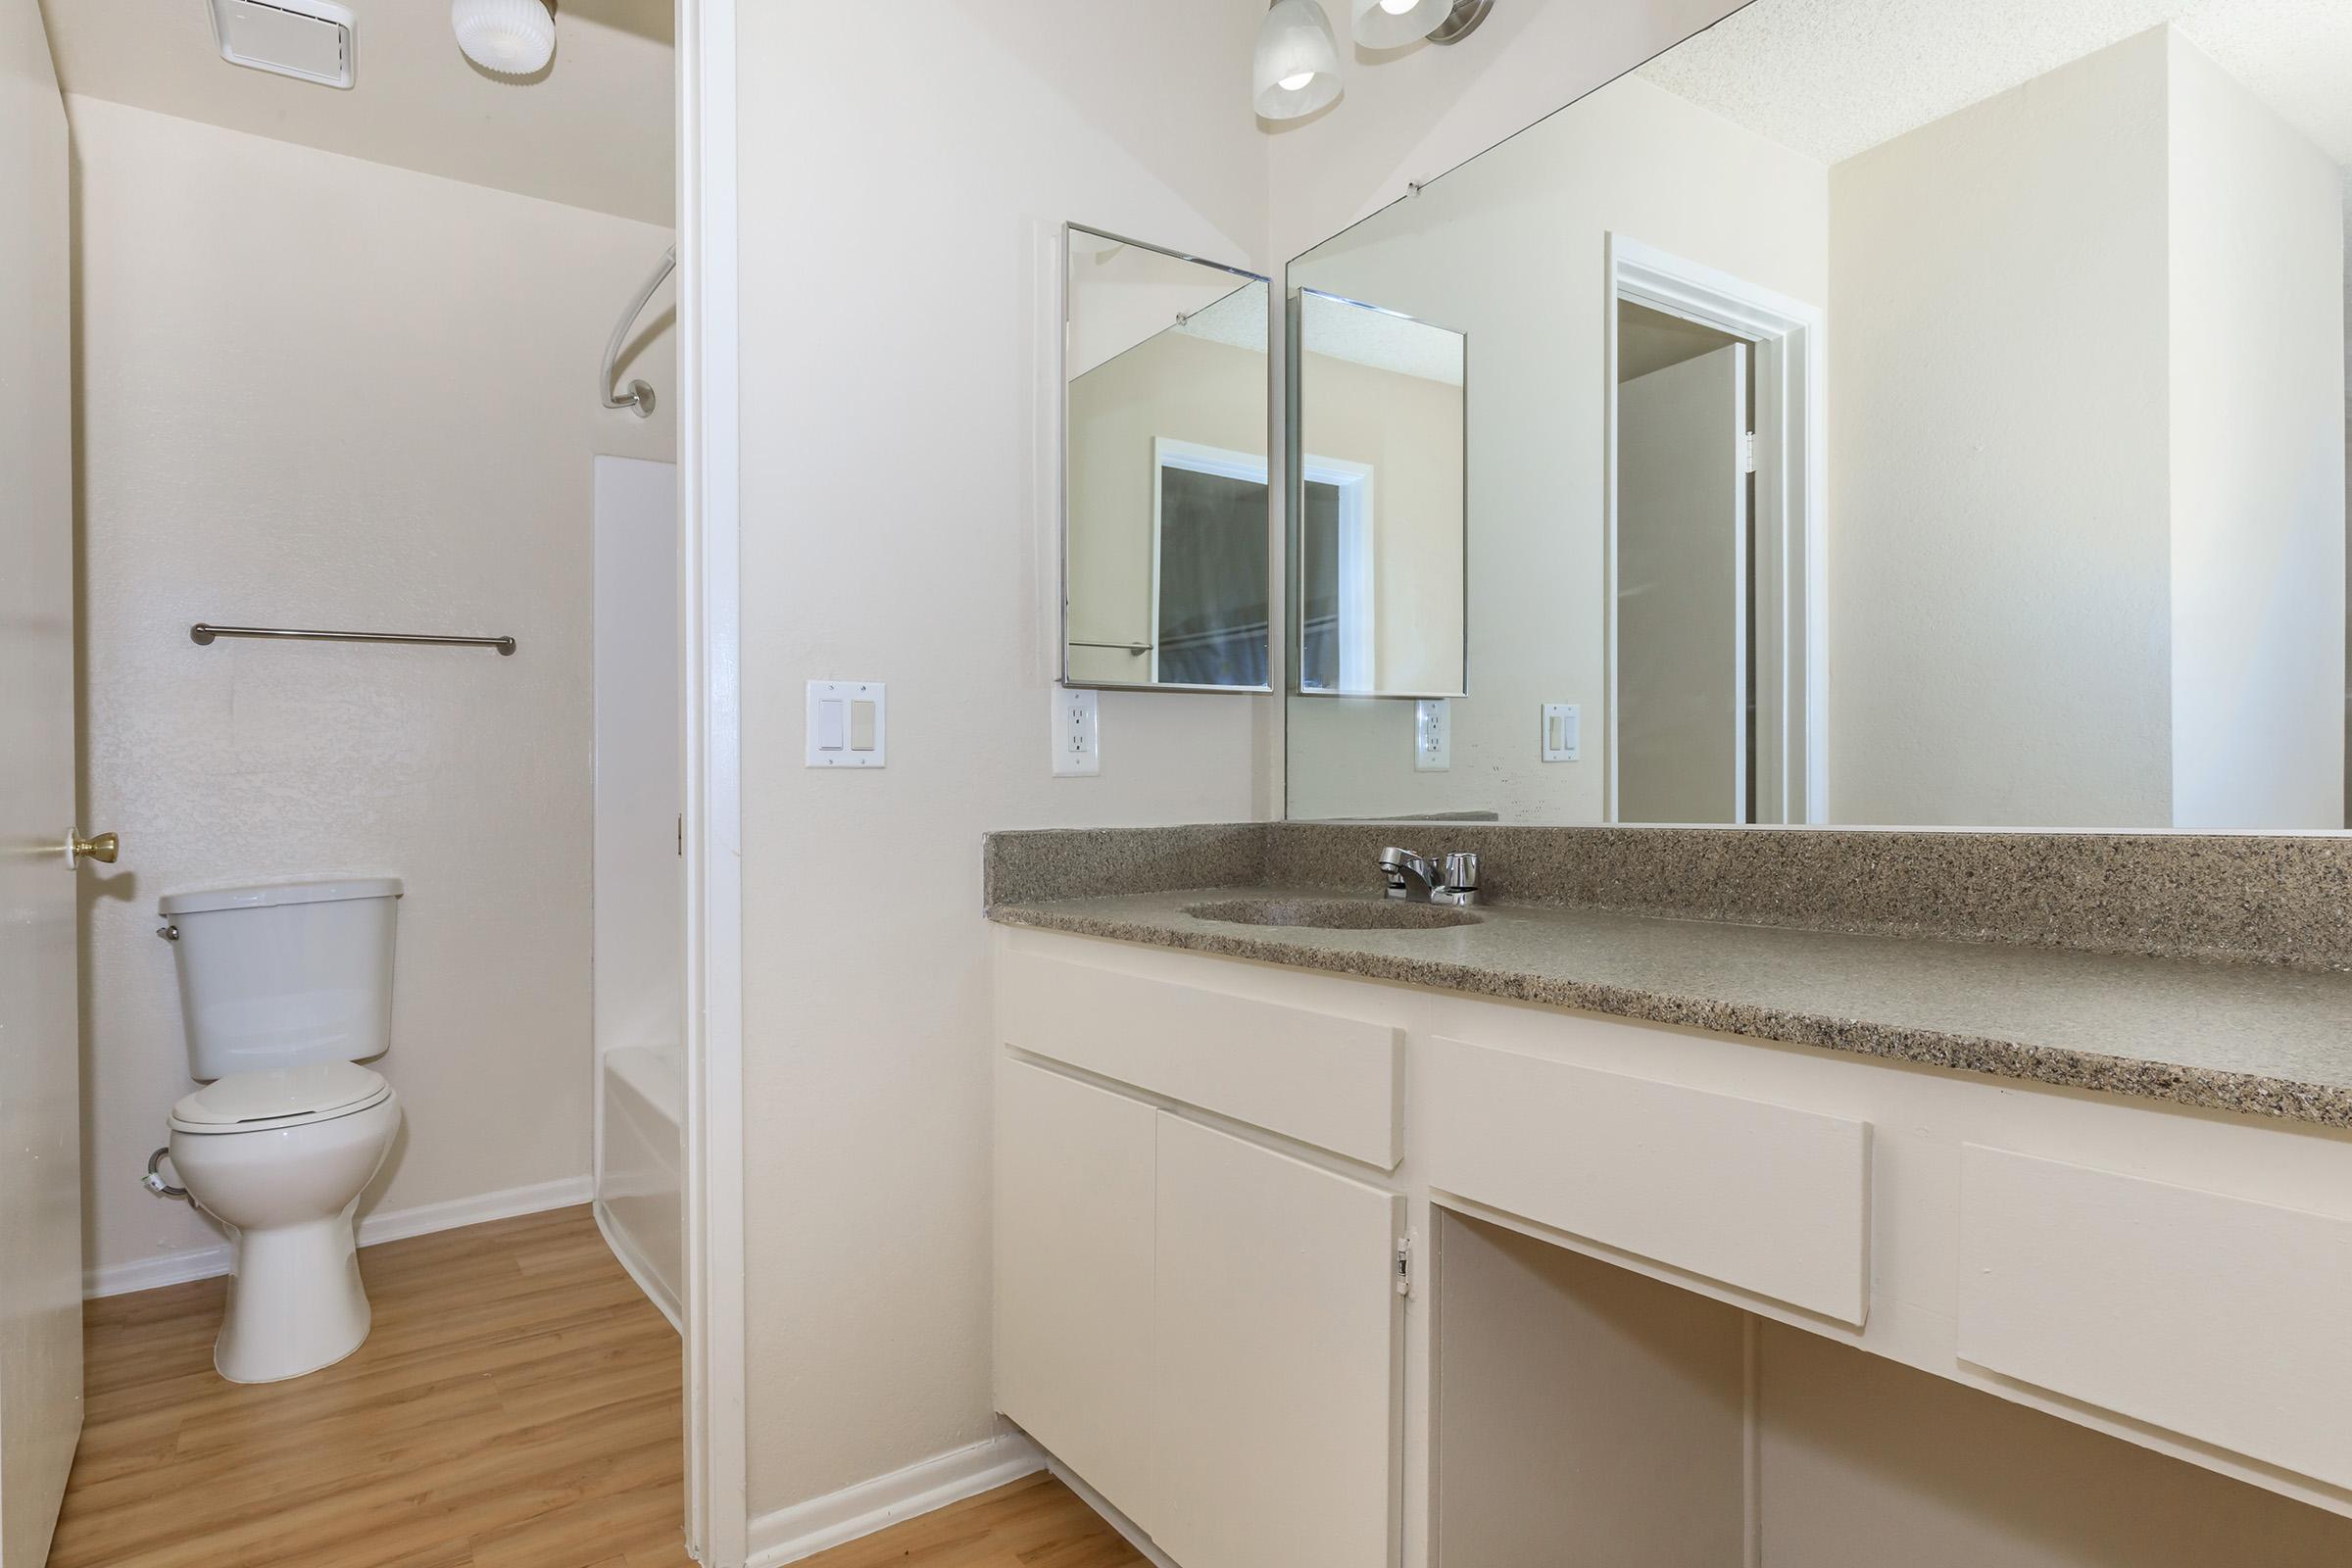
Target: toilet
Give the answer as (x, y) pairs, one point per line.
(284, 988)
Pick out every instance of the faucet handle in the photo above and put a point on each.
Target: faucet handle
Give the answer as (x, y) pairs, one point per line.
(1462, 870)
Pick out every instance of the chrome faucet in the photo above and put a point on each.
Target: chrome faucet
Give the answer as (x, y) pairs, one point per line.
(1450, 879)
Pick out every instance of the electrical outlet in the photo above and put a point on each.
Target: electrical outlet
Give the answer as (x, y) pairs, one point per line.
(1077, 733)
(1563, 732)
(1433, 735)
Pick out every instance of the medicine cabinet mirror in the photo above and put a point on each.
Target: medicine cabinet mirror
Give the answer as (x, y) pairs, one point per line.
(1166, 522)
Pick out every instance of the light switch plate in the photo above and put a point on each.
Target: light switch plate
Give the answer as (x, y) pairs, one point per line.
(1077, 733)
(1433, 735)
(1563, 732)
(847, 726)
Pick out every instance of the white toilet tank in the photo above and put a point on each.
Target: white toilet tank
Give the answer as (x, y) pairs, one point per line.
(285, 974)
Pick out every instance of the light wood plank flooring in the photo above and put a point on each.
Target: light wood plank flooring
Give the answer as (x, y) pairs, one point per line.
(1033, 1523)
(516, 1407)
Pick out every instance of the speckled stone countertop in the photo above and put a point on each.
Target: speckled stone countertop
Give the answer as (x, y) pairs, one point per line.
(2252, 1038)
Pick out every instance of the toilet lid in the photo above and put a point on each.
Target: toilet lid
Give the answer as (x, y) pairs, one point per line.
(278, 1092)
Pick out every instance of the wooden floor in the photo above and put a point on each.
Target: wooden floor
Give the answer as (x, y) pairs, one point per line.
(1036, 1522)
(516, 1407)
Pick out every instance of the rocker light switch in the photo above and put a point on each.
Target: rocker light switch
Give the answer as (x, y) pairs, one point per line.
(846, 723)
(1563, 736)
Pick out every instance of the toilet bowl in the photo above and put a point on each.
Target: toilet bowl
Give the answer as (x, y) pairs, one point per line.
(284, 988)
(281, 1158)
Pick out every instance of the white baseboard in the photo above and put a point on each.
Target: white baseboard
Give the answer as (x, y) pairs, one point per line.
(807, 1528)
(385, 1225)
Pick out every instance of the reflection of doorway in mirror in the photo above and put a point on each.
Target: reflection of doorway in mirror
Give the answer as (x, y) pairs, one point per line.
(1717, 633)
(1339, 615)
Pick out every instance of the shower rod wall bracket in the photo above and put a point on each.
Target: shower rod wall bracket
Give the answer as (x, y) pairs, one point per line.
(636, 395)
(203, 633)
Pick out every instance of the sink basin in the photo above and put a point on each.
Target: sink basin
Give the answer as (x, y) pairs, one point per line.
(1334, 914)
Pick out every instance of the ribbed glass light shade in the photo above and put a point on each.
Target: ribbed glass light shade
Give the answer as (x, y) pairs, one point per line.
(1393, 23)
(1297, 68)
(511, 37)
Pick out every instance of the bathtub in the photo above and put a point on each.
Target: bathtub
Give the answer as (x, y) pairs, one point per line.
(641, 1129)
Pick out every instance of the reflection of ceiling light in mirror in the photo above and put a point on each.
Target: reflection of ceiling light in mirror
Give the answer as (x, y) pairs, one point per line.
(1393, 23)
(1297, 64)
(509, 37)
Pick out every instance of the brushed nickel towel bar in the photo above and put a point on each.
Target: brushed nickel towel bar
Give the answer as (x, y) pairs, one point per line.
(203, 633)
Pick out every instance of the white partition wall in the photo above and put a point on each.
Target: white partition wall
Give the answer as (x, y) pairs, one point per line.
(640, 889)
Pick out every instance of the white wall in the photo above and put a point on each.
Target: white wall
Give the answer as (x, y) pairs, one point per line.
(899, 360)
(1511, 251)
(2257, 475)
(1998, 559)
(2131, 619)
(315, 391)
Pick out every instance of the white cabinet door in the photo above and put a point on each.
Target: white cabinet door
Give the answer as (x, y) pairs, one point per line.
(1074, 1262)
(1274, 1416)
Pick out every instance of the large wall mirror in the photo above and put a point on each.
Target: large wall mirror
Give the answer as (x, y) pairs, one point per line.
(1166, 553)
(1927, 414)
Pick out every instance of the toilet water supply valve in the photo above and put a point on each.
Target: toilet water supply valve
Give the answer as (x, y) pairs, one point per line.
(154, 1182)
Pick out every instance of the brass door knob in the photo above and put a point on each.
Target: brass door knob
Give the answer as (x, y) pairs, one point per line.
(102, 849)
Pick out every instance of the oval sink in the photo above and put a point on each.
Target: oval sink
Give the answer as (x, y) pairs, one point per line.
(1334, 914)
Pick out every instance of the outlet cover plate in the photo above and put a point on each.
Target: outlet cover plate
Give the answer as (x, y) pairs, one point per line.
(1077, 732)
(1433, 735)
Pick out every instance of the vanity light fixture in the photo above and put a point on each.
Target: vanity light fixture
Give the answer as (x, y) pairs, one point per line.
(1297, 64)
(505, 38)
(1393, 23)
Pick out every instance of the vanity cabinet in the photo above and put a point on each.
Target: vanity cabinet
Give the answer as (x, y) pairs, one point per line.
(1204, 1328)
(1206, 1167)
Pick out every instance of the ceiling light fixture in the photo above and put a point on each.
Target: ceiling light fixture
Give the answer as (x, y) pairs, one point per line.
(1297, 64)
(1297, 67)
(507, 37)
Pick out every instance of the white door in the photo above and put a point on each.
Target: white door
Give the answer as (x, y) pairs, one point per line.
(1278, 1335)
(1074, 1261)
(40, 1092)
(1682, 720)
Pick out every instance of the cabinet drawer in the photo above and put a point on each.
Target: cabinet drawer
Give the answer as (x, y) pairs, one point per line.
(1761, 1198)
(1324, 1080)
(2219, 1319)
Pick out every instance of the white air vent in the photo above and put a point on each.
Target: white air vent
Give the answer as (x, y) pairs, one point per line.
(306, 39)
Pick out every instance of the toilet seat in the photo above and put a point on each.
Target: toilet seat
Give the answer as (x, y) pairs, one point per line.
(280, 1096)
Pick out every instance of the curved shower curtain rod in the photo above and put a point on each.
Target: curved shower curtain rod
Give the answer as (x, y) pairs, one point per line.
(636, 395)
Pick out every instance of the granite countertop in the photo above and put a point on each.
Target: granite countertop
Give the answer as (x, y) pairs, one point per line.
(2251, 1037)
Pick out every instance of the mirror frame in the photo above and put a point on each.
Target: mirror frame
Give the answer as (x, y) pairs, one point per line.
(1061, 470)
(1294, 500)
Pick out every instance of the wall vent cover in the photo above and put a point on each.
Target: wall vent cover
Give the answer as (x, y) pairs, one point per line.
(310, 40)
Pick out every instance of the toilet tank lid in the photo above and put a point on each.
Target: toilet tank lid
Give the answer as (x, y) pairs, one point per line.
(259, 894)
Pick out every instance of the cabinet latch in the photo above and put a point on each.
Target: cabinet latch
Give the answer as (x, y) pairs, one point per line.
(1404, 1265)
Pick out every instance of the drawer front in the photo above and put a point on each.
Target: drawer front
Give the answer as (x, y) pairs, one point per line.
(1324, 1080)
(1761, 1198)
(2219, 1319)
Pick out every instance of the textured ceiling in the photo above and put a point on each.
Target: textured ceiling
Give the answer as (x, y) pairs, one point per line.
(1835, 77)
(1363, 335)
(594, 130)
